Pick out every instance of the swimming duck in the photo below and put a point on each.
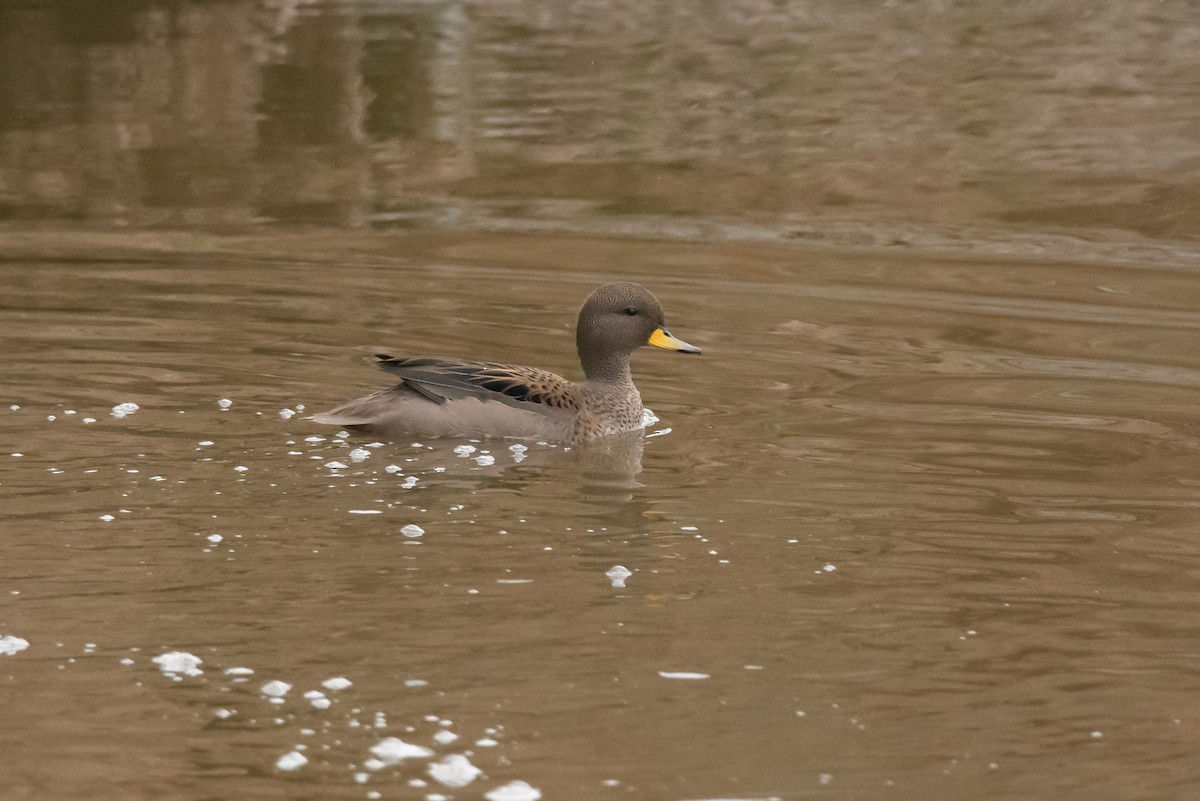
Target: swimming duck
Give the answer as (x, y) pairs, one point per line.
(453, 397)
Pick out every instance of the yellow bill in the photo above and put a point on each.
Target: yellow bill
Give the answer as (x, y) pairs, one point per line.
(661, 338)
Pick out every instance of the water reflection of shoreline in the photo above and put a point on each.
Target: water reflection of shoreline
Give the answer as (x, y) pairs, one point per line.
(222, 113)
(230, 113)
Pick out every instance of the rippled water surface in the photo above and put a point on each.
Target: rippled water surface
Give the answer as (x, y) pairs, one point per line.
(925, 526)
(920, 523)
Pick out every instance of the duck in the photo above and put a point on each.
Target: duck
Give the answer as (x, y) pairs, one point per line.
(457, 397)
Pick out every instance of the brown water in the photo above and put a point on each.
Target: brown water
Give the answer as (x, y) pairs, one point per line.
(921, 523)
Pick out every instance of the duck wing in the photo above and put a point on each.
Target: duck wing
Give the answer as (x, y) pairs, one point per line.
(442, 380)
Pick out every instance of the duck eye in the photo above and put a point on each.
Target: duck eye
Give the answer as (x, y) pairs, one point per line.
(630, 310)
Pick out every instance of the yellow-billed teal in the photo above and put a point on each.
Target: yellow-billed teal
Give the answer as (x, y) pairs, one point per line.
(453, 397)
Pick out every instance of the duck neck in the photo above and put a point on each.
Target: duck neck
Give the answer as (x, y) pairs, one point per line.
(613, 370)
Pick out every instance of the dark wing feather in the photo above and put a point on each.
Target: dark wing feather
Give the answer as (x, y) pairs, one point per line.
(441, 380)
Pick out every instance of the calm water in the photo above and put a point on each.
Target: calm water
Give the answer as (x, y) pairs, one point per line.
(921, 523)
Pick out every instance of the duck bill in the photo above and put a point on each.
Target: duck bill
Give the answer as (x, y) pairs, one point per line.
(661, 338)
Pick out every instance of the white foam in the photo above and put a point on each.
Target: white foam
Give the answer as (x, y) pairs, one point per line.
(174, 663)
(292, 760)
(275, 688)
(412, 530)
(318, 699)
(618, 574)
(360, 455)
(464, 450)
(454, 771)
(682, 674)
(337, 683)
(391, 750)
(513, 791)
(286, 414)
(444, 737)
(224, 403)
(10, 644)
(124, 409)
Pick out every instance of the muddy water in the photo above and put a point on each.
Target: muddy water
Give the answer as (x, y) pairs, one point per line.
(920, 523)
(925, 527)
